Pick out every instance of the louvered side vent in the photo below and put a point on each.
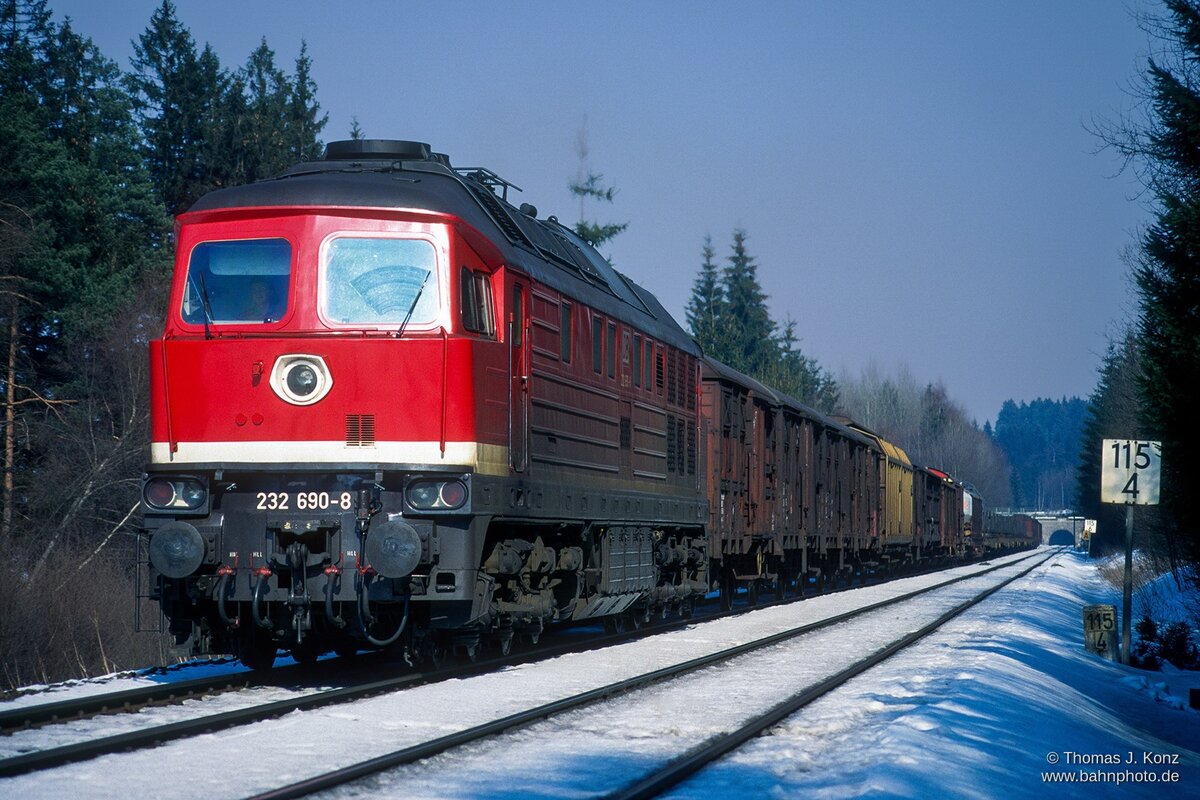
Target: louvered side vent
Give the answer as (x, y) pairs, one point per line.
(680, 447)
(671, 444)
(360, 430)
(671, 375)
(691, 450)
(691, 383)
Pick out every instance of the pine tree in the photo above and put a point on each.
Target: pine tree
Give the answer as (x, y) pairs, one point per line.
(752, 345)
(587, 185)
(1115, 411)
(729, 318)
(267, 111)
(595, 233)
(305, 120)
(171, 102)
(75, 197)
(1166, 150)
(705, 309)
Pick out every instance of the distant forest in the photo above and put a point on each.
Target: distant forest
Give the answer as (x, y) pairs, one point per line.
(1042, 441)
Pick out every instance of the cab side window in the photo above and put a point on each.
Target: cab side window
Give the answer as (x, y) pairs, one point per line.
(475, 289)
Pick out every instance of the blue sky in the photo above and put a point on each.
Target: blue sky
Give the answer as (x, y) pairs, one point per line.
(917, 179)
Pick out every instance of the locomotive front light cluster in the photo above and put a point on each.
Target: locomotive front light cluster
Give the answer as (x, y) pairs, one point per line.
(174, 494)
(301, 379)
(426, 495)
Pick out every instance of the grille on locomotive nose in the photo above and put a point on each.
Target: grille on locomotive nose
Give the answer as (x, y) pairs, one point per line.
(360, 430)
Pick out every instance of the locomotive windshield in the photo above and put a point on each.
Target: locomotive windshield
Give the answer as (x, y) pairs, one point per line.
(238, 282)
(377, 281)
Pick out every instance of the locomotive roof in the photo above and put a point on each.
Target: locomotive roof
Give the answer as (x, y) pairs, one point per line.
(383, 173)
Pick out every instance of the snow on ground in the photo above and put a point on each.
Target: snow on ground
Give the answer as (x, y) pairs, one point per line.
(239, 761)
(986, 708)
(972, 712)
(1164, 600)
(118, 682)
(600, 748)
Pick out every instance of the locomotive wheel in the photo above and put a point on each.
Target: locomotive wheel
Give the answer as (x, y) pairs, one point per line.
(614, 624)
(503, 639)
(257, 650)
(687, 608)
(430, 651)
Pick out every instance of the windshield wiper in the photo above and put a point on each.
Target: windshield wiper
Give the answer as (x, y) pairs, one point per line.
(413, 307)
(205, 304)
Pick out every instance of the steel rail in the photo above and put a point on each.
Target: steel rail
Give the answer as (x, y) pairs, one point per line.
(434, 747)
(125, 701)
(697, 759)
(115, 702)
(37, 714)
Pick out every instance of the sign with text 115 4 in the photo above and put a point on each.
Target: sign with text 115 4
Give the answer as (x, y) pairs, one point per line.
(1130, 472)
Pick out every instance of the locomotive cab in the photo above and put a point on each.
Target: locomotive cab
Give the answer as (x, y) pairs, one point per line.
(316, 381)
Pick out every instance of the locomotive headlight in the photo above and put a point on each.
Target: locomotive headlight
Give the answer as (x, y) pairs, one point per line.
(453, 494)
(176, 549)
(159, 493)
(422, 494)
(301, 379)
(174, 494)
(436, 495)
(192, 493)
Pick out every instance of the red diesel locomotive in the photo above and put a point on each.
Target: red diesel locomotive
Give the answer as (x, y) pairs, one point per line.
(389, 406)
(387, 402)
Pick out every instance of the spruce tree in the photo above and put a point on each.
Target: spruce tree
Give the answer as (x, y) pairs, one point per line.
(75, 197)
(305, 120)
(595, 233)
(1166, 150)
(1115, 411)
(729, 318)
(171, 103)
(705, 309)
(748, 323)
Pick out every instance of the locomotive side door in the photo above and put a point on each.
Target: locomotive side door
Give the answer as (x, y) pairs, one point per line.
(518, 428)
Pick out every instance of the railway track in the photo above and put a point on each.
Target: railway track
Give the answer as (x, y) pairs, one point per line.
(366, 683)
(155, 734)
(695, 759)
